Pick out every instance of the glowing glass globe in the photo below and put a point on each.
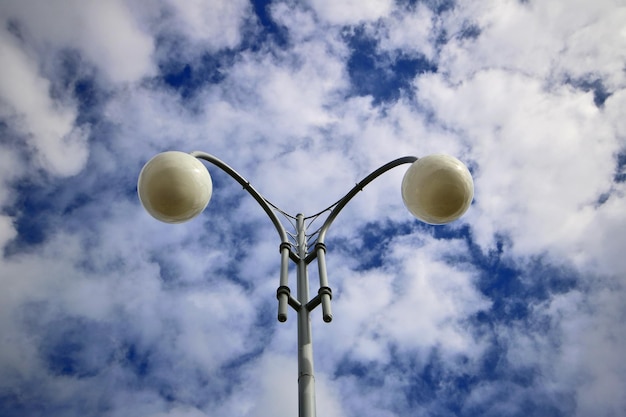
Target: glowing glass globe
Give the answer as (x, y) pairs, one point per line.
(174, 187)
(437, 189)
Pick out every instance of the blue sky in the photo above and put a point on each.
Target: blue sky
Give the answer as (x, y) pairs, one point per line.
(514, 310)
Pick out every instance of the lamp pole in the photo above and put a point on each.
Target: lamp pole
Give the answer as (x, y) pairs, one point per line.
(175, 187)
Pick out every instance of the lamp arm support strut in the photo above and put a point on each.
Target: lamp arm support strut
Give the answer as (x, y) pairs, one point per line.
(268, 209)
(248, 187)
(354, 191)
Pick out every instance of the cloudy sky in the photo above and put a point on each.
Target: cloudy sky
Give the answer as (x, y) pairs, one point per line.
(517, 309)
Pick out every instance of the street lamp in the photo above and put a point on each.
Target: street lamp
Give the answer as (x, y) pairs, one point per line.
(175, 187)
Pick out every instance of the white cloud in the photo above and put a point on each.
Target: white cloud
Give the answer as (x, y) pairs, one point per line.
(597, 50)
(7, 230)
(416, 303)
(550, 39)
(541, 164)
(11, 168)
(408, 31)
(60, 287)
(351, 12)
(48, 125)
(105, 33)
(181, 411)
(580, 352)
(180, 320)
(213, 24)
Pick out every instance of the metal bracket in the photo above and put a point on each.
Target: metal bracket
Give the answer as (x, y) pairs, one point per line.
(282, 292)
(319, 299)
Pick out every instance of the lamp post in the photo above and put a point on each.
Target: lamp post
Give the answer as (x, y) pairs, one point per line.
(175, 187)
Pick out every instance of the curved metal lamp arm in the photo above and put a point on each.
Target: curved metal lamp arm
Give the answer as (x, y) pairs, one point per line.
(249, 188)
(359, 187)
(325, 294)
(283, 294)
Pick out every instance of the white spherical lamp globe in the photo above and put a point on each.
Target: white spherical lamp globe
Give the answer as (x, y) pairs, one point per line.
(174, 187)
(437, 189)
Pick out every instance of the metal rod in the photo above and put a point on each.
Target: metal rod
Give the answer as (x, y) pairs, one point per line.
(325, 292)
(249, 188)
(359, 187)
(306, 378)
(283, 292)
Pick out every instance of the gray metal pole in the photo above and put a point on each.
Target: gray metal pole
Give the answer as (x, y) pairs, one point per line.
(306, 378)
